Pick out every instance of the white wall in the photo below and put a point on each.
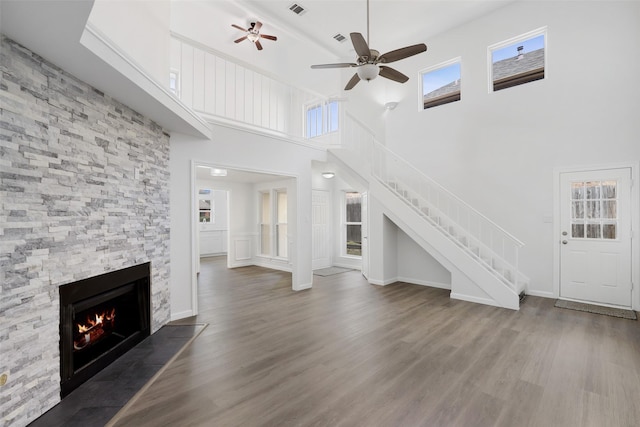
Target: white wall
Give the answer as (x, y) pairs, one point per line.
(229, 149)
(498, 150)
(416, 266)
(141, 29)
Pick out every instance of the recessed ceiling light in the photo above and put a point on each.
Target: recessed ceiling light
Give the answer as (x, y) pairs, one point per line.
(218, 172)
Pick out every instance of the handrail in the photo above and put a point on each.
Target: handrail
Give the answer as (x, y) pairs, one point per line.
(482, 238)
(378, 146)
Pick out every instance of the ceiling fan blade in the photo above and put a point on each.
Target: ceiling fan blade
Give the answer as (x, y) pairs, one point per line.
(392, 74)
(354, 81)
(405, 52)
(238, 27)
(240, 39)
(257, 26)
(341, 65)
(264, 36)
(360, 45)
(258, 45)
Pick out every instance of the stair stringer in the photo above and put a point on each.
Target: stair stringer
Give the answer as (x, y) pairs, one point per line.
(470, 280)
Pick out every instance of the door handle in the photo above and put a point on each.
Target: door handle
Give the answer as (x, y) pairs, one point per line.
(564, 242)
(564, 233)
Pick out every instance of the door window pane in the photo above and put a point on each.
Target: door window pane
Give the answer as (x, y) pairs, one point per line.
(597, 202)
(578, 209)
(577, 231)
(593, 231)
(609, 209)
(593, 190)
(609, 231)
(609, 190)
(577, 190)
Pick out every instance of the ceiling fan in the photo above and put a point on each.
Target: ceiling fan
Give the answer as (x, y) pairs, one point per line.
(253, 34)
(368, 61)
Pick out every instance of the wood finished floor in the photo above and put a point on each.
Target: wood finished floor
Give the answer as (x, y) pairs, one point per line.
(347, 353)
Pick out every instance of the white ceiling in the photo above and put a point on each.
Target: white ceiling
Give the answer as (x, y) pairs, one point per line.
(393, 23)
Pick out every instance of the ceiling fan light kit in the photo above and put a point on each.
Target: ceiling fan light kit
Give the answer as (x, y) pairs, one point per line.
(368, 60)
(253, 34)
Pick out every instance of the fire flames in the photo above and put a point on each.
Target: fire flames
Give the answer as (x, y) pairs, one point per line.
(94, 328)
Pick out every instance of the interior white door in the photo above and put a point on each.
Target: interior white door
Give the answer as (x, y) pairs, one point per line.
(321, 231)
(595, 241)
(365, 235)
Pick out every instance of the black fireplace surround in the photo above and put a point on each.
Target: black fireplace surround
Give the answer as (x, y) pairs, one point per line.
(101, 318)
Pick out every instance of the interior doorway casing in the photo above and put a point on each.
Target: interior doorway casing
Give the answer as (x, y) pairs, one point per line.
(635, 224)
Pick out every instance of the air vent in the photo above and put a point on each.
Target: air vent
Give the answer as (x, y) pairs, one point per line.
(339, 37)
(297, 9)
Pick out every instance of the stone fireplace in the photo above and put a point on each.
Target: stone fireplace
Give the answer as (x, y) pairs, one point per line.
(85, 191)
(101, 318)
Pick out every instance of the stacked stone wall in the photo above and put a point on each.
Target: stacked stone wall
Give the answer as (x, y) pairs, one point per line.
(84, 189)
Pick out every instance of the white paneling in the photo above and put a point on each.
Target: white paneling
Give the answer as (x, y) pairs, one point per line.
(230, 105)
(274, 96)
(242, 248)
(186, 75)
(248, 96)
(209, 83)
(257, 99)
(239, 114)
(221, 69)
(198, 80)
(266, 83)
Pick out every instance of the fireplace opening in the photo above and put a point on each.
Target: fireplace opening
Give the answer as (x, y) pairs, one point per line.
(101, 318)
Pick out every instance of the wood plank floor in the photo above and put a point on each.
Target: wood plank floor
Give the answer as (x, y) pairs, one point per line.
(347, 353)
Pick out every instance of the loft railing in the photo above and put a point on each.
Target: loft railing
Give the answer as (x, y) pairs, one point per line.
(480, 237)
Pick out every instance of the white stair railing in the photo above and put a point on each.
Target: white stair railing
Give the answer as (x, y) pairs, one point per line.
(476, 234)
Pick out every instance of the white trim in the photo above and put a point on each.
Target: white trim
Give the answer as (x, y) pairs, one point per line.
(542, 294)
(97, 42)
(485, 301)
(522, 37)
(635, 223)
(420, 282)
(258, 130)
(181, 315)
(195, 229)
(302, 287)
(421, 73)
(382, 282)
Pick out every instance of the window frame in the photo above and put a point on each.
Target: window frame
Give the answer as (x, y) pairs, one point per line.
(273, 224)
(542, 31)
(177, 78)
(445, 99)
(324, 108)
(345, 224)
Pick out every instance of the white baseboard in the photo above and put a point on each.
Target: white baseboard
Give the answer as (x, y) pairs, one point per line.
(274, 265)
(344, 265)
(240, 264)
(181, 315)
(543, 294)
(424, 283)
(382, 282)
(302, 287)
(477, 300)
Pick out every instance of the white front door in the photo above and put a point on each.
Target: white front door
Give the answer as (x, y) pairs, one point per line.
(595, 240)
(321, 232)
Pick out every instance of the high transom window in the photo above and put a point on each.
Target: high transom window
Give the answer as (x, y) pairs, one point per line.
(518, 60)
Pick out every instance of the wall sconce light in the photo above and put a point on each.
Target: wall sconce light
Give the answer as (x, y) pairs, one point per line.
(328, 175)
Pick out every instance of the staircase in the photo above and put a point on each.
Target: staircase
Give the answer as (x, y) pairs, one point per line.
(483, 253)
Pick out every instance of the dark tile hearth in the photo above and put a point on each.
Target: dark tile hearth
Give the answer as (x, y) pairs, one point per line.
(96, 401)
